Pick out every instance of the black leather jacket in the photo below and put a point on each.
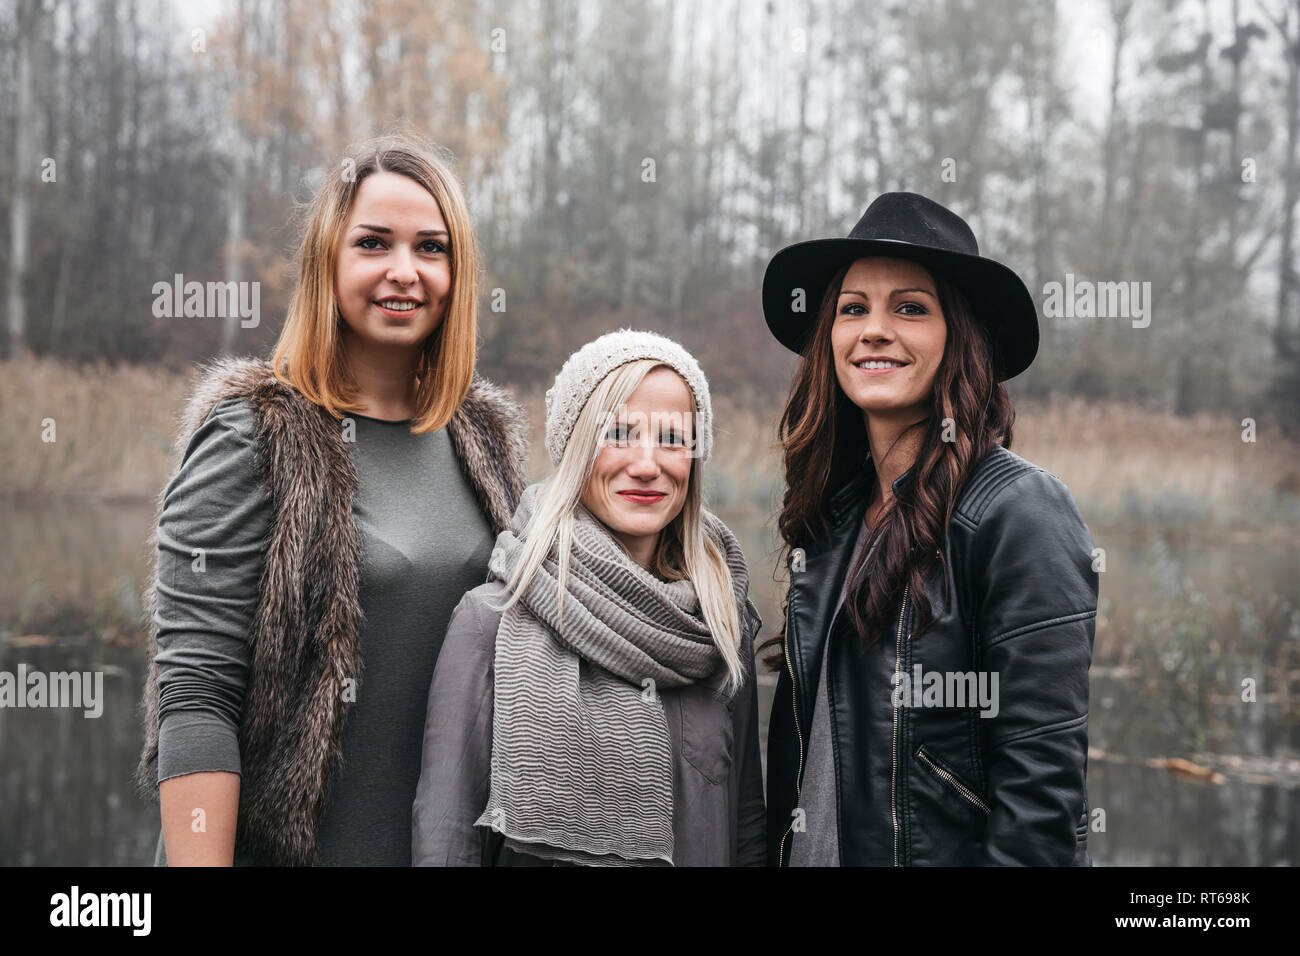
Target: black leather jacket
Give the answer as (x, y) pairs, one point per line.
(931, 785)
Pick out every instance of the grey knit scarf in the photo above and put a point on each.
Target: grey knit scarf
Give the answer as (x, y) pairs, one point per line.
(582, 766)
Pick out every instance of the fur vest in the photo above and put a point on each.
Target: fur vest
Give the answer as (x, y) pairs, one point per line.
(303, 637)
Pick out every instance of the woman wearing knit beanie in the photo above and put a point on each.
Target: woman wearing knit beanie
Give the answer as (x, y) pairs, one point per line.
(594, 702)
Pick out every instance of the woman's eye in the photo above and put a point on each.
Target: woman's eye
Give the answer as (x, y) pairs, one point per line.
(919, 309)
(672, 438)
(428, 247)
(849, 309)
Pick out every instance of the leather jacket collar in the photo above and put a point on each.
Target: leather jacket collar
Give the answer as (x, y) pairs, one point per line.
(857, 490)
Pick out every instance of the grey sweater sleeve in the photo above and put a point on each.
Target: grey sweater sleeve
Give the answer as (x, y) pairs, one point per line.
(456, 765)
(212, 536)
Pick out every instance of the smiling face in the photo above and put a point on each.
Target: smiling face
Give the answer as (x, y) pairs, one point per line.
(888, 337)
(639, 481)
(393, 276)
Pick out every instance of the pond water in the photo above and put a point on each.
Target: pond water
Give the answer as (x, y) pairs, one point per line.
(1189, 625)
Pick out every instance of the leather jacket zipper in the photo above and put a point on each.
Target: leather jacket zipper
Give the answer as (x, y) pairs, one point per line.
(893, 780)
(956, 784)
(794, 705)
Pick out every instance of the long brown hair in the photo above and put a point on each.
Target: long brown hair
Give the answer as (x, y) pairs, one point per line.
(824, 438)
(309, 353)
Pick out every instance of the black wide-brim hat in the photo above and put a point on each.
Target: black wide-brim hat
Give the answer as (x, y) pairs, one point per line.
(906, 226)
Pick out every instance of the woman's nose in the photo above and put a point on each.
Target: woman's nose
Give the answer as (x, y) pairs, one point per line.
(875, 328)
(645, 461)
(402, 269)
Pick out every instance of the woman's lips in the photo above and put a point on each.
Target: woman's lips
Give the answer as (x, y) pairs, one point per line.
(643, 497)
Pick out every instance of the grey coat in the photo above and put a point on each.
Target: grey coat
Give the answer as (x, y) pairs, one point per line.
(718, 810)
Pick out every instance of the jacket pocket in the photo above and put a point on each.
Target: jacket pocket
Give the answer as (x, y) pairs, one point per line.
(707, 731)
(945, 775)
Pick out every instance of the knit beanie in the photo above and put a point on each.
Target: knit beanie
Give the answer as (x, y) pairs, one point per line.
(586, 367)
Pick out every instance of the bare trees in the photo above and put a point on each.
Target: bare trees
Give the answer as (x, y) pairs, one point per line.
(638, 164)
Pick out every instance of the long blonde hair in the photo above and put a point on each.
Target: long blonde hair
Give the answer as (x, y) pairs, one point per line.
(309, 352)
(687, 548)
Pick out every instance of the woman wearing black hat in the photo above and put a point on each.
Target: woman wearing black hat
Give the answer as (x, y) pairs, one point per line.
(932, 703)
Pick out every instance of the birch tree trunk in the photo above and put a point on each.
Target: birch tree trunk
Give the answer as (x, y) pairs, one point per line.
(24, 170)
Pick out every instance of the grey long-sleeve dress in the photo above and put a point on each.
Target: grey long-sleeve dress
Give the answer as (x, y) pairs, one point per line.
(425, 542)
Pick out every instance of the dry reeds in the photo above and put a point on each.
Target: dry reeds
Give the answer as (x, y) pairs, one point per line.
(113, 427)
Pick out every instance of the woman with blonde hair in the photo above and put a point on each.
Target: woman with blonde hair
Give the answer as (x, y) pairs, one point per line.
(330, 508)
(594, 702)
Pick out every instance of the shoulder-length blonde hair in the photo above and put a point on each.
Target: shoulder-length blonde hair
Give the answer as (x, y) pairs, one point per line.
(309, 353)
(687, 549)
